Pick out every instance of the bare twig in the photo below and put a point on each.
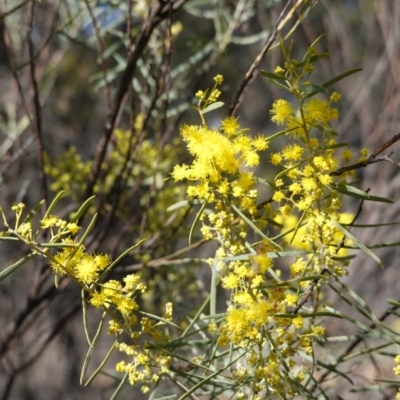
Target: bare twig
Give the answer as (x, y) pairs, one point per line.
(37, 107)
(251, 72)
(158, 14)
(100, 48)
(54, 332)
(372, 158)
(12, 10)
(171, 257)
(351, 346)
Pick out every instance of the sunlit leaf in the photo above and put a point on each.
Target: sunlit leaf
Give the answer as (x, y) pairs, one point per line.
(341, 76)
(212, 107)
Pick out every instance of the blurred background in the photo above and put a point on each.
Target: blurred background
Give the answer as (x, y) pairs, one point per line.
(78, 52)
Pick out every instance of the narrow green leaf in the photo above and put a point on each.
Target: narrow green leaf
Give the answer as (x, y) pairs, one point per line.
(357, 242)
(33, 212)
(212, 107)
(242, 131)
(183, 203)
(280, 85)
(288, 371)
(344, 258)
(50, 209)
(82, 209)
(318, 57)
(307, 88)
(271, 75)
(124, 254)
(12, 268)
(372, 225)
(283, 47)
(250, 223)
(395, 382)
(341, 76)
(91, 348)
(309, 315)
(298, 225)
(336, 146)
(202, 383)
(84, 236)
(196, 220)
(120, 386)
(364, 308)
(101, 365)
(272, 254)
(110, 50)
(275, 135)
(316, 41)
(287, 170)
(264, 182)
(292, 282)
(84, 317)
(332, 368)
(374, 246)
(53, 204)
(158, 318)
(394, 303)
(327, 130)
(360, 194)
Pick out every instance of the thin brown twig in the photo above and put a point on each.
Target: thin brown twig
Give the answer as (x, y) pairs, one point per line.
(129, 27)
(251, 71)
(372, 158)
(100, 52)
(171, 257)
(157, 14)
(121, 179)
(161, 85)
(12, 10)
(7, 44)
(32, 302)
(388, 159)
(55, 330)
(37, 106)
(352, 345)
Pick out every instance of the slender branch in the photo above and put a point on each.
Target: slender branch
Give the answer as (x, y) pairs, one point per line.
(12, 10)
(32, 359)
(156, 16)
(100, 48)
(33, 301)
(171, 257)
(372, 158)
(251, 72)
(351, 346)
(7, 44)
(8, 386)
(37, 107)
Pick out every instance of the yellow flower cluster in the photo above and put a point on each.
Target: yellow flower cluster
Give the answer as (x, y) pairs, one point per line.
(396, 370)
(306, 184)
(219, 155)
(141, 368)
(68, 172)
(117, 298)
(253, 316)
(74, 262)
(219, 159)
